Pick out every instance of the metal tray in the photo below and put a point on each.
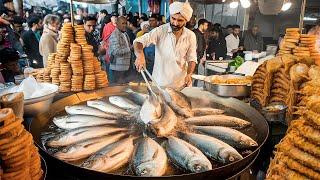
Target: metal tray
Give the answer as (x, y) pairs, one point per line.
(227, 90)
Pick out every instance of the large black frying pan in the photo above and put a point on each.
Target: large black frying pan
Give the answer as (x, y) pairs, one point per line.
(233, 107)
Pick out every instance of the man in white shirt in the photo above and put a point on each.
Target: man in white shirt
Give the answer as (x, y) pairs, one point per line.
(233, 41)
(175, 49)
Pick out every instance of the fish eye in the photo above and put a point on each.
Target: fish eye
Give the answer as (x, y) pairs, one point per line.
(145, 171)
(197, 167)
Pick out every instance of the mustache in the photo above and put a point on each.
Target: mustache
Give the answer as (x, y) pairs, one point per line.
(176, 28)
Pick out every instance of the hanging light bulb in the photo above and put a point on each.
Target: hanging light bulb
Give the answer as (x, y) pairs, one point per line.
(286, 5)
(223, 1)
(234, 4)
(245, 3)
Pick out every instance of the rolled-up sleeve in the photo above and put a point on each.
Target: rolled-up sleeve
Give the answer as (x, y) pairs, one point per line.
(192, 50)
(149, 38)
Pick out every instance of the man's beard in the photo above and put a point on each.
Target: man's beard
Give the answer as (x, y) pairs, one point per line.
(176, 28)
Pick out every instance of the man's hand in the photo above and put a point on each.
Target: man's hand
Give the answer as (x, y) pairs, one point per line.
(188, 80)
(234, 50)
(140, 63)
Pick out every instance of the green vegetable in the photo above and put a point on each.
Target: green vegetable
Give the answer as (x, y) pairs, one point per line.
(237, 62)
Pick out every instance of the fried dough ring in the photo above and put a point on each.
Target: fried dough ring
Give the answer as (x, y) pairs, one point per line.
(5, 114)
(15, 175)
(16, 154)
(14, 149)
(10, 126)
(16, 141)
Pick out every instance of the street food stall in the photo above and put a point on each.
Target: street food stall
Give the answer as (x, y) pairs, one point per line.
(79, 127)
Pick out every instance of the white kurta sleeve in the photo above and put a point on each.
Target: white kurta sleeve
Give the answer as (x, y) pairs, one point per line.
(192, 51)
(229, 44)
(149, 38)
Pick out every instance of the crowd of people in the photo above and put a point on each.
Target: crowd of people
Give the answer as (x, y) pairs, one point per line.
(112, 37)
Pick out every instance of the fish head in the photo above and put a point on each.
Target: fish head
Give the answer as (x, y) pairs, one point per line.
(248, 141)
(151, 109)
(61, 119)
(147, 169)
(228, 155)
(198, 165)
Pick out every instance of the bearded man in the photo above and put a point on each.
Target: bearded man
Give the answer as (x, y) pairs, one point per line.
(175, 49)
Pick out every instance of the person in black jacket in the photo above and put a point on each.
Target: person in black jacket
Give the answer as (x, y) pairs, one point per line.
(31, 42)
(201, 42)
(217, 48)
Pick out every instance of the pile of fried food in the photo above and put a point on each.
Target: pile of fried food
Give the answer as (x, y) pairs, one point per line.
(298, 154)
(231, 80)
(280, 80)
(73, 67)
(300, 45)
(19, 158)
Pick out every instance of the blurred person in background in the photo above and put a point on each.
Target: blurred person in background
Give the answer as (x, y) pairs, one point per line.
(31, 41)
(18, 31)
(144, 26)
(153, 21)
(253, 40)
(201, 42)
(9, 64)
(92, 36)
(217, 48)
(120, 51)
(192, 23)
(49, 39)
(107, 31)
(229, 30)
(104, 18)
(233, 42)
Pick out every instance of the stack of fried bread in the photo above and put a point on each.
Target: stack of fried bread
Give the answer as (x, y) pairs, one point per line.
(75, 67)
(290, 41)
(19, 157)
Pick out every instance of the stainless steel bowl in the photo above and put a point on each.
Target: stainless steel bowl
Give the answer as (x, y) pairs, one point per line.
(227, 90)
(275, 113)
(35, 106)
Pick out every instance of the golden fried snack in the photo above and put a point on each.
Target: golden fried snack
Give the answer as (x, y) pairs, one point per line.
(10, 127)
(296, 166)
(295, 153)
(16, 154)
(281, 171)
(15, 175)
(277, 99)
(16, 141)
(6, 116)
(313, 116)
(308, 131)
(19, 147)
(302, 143)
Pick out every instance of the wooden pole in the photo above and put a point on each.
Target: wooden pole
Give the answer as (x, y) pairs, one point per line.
(71, 12)
(303, 10)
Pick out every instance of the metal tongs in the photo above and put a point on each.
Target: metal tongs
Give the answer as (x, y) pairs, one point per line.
(162, 91)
